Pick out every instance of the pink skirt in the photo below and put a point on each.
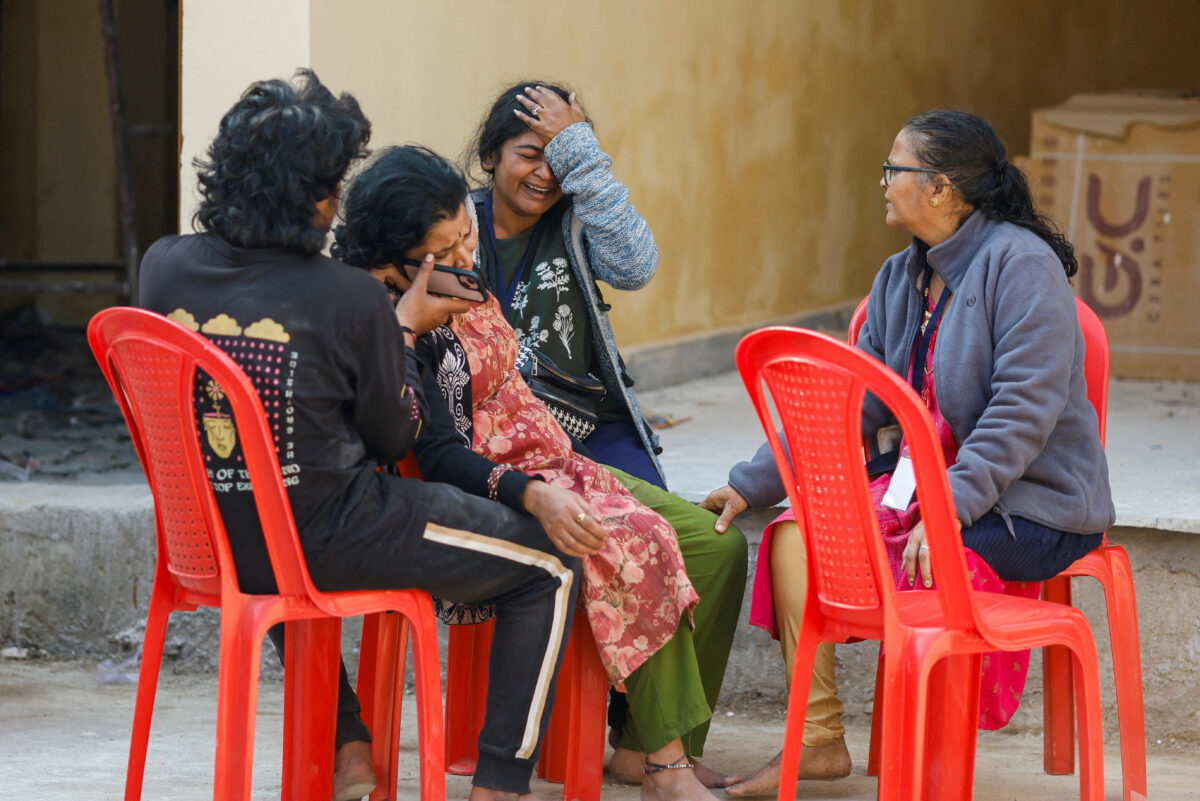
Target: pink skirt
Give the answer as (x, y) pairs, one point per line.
(1004, 672)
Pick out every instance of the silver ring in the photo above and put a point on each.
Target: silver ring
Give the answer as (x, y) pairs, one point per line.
(534, 111)
(580, 517)
(924, 547)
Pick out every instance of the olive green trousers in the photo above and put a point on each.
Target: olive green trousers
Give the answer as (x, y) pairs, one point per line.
(673, 693)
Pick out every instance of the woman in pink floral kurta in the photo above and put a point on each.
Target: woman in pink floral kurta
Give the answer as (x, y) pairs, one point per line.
(635, 588)
(486, 433)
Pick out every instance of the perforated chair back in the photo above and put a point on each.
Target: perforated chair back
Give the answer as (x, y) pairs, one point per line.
(1095, 361)
(817, 386)
(142, 354)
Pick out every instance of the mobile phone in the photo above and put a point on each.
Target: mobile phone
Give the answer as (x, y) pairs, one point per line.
(449, 282)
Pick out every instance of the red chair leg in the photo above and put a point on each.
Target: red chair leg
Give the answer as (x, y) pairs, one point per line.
(948, 760)
(312, 651)
(876, 718)
(793, 735)
(143, 709)
(1110, 566)
(237, 701)
(381, 658)
(466, 694)
(573, 748)
(1127, 670)
(382, 655)
(1058, 727)
(427, 674)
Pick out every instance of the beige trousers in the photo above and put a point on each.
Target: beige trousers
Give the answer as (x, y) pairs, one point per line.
(789, 582)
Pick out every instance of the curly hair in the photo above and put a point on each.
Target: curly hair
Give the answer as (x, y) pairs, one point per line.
(281, 148)
(965, 148)
(393, 203)
(500, 125)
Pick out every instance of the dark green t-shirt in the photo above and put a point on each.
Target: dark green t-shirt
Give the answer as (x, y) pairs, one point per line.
(549, 310)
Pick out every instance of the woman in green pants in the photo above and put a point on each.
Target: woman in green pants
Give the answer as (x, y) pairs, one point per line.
(662, 589)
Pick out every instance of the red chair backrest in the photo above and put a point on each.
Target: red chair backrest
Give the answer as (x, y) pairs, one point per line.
(817, 386)
(1095, 360)
(150, 363)
(856, 320)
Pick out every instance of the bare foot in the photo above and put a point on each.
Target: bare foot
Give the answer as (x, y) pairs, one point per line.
(353, 775)
(709, 777)
(674, 780)
(820, 762)
(626, 766)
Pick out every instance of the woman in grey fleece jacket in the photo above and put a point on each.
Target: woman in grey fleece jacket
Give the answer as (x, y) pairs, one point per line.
(1029, 478)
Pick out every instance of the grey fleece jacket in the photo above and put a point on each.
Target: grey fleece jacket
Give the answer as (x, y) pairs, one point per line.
(1009, 362)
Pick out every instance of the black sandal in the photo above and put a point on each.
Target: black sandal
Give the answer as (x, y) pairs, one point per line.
(679, 764)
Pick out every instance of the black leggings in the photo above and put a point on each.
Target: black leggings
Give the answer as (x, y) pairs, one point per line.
(438, 538)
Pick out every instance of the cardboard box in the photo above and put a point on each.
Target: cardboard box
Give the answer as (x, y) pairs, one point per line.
(1121, 174)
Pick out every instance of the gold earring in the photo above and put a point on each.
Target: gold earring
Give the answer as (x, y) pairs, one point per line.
(934, 202)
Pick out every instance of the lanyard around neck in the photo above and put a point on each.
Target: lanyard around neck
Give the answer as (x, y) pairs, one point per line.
(508, 289)
(925, 332)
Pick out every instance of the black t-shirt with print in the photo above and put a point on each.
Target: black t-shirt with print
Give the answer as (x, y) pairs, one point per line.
(320, 342)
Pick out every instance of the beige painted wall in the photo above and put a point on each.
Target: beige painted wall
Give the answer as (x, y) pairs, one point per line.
(226, 45)
(750, 135)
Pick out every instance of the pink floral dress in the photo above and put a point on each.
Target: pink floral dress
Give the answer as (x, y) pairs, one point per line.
(636, 588)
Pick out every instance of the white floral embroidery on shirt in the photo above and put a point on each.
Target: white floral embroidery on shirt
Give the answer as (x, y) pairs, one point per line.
(564, 324)
(521, 297)
(528, 342)
(554, 275)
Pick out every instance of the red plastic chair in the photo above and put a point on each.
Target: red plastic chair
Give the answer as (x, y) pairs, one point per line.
(151, 364)
(1109, 564)
(572, 750)
(934, 639)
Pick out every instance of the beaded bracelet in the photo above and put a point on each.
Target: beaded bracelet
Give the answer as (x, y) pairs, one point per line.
(493, 481)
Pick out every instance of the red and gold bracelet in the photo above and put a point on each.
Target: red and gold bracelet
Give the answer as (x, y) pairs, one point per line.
(493, 481)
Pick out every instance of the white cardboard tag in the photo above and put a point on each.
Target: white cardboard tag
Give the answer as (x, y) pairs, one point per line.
(902, 486)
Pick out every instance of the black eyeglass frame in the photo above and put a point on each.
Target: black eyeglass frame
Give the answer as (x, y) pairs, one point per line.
(894, 168)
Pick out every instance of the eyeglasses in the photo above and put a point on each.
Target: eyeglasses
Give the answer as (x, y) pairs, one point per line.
(890, 170)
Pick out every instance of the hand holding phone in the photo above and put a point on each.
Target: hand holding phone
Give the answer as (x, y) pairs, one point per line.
(448, 282)
(420, 309)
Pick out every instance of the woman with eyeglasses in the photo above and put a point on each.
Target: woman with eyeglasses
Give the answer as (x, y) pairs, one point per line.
(978, 314)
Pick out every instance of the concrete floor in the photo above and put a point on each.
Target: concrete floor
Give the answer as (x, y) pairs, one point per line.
(65, 736)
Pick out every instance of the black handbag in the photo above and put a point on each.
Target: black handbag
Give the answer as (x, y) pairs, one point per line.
(574, 402)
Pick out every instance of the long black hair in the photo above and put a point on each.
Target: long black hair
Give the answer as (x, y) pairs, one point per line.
(279, 150)
(393, 203)
(965, 148)
(500, 125)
